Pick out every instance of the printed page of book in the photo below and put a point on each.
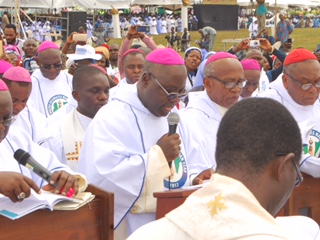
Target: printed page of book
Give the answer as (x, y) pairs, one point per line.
(38, 201)
(84, 198)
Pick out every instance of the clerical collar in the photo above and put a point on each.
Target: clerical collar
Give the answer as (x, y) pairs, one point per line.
(222, 109)
(84, 120)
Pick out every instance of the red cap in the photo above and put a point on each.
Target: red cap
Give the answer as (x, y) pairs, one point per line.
(299, 55)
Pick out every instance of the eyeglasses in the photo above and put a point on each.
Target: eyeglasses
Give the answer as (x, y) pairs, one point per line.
(8, 122)
(172, 95)
(49, 66)
(255, 84)
(230, 85)
(305, 86)
(299, 178)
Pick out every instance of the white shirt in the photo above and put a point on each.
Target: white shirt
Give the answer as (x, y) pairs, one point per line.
(50, 95)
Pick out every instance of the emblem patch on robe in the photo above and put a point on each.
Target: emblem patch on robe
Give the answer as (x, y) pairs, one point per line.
(216, 205)
(56, 102)
(313, 145)
(180, 173)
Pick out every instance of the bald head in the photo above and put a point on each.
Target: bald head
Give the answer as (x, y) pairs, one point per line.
(257, 55)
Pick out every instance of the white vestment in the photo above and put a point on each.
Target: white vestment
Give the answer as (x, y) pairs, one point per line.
(66, 138)
(31, 121)
(164, 26)
(153, 28)
(120, 155)
(222, 210)
(199, 121)
(19, 139)
(50, 95)
(308, 118)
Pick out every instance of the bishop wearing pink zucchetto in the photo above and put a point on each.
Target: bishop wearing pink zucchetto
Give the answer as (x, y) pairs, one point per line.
(223, 82)
(134, 163)
(252, 72)
(27, 117)
(51, 87)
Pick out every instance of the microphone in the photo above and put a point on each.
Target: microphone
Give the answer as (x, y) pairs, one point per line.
(173, 120)
(26, 160)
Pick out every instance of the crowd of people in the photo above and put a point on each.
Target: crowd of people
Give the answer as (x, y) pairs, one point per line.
(100, 115)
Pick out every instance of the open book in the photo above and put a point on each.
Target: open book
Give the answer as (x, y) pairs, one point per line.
(45, 200)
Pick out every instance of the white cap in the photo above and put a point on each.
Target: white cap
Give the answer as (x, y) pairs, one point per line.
(84, 52)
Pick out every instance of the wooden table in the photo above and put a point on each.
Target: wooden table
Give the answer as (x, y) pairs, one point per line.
(225, 41)
(92, 221)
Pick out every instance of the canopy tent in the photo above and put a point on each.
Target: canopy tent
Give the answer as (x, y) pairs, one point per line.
(158, 2)
(297, 3)
(101, 4)
(281, 3)
(106, 4)
(29, 3)
(86, 4)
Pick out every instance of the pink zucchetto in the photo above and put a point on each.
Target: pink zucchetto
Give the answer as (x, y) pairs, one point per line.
(250, 64)
(100, 68)
(165, 56)
(17, 74)
(47, 45)
(133, 50)
(220, 55)
(3, 86)
(4, 66)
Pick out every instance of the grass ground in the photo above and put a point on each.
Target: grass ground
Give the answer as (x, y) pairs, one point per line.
(303, 37)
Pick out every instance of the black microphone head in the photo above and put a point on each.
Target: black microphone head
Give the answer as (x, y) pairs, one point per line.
(173, 118)
(21, 156)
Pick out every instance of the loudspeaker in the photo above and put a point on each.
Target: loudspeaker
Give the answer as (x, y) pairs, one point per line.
(220, 17)
(71, 21)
